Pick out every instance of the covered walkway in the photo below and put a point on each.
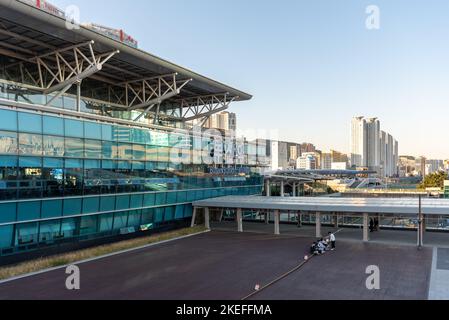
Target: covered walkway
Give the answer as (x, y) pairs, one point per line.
(364, 210)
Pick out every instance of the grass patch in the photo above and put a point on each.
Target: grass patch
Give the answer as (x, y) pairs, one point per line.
(71, 257)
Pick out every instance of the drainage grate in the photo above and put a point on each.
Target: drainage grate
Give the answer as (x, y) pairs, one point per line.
(443, 259)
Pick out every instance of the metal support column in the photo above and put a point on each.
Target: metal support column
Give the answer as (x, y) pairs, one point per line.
(207, 218)
(365, 227)
(282, 188)
(78, 96)
(239, 220)
(195, 209)
(420, 234)
(336, 220)
(318, 224)
(277, 218)
(294, 190)
(268, 188)
(221, 215)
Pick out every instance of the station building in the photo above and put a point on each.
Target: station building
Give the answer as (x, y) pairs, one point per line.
(96, 138)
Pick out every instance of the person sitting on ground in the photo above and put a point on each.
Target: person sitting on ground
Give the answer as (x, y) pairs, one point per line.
(313, 248)
(321, 247)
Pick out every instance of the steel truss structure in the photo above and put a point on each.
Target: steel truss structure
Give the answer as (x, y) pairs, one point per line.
(58, 69)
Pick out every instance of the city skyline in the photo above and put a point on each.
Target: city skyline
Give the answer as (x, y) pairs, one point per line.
(330, 62)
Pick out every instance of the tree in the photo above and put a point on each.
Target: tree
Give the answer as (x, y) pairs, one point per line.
(434, 180)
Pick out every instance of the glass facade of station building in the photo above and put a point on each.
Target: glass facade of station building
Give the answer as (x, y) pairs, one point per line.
(65, 179)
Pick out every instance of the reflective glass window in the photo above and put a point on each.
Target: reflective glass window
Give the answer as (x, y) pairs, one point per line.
(53, 177)
(69, 103)
(138, 152)
(30, 144)
(109, 150)
(151, 153)
(8, 142)
(29, 122)
(134, 218)
(120, 220)
(93, 149)
(125, 151)
(147, 216)
(53, 146)
(105, 222)
(68, 228)
(159, 214)
(74, 148)
(49, 231)
(169, 213)
(73, 177)
(51, 209)
(88, 225)
(26, 234)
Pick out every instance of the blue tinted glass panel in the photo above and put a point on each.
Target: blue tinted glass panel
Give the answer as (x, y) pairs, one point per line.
(107, 204)
(91, 205)
(109, 150)
(122, 202)
(182, 197)
(136, 201)
(8, 120)
(53, 163)
(108, 164)
(6, 235)
(124, 165)
(106, 132)
(138, 165)
(30, 162)
(106, 221)
(169, 213)
(92, 130)
(92, 164)
(74, 163)
(160, 198)
(72, 206)
(148, 200)
(171, 197)
(7, 212)
(88, 225)
(159, 214)
(134, 218)
(188, 211)
(53, 126)
(179, 213)
(51, 209)
(120, 220)
(26, 234)
(68, 227)
(147, 216)
(74, 128)
(138, 152)
(28, 210)
(8, 161)
(30, 123)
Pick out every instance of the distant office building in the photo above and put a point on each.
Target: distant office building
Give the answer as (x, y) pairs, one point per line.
(372, 148)
(433, 166)
(307, 161)
(339, 166)
(307, 147)
(223, 121)
(279, 155)
(407, 166)
(420, 166)
(328, 158)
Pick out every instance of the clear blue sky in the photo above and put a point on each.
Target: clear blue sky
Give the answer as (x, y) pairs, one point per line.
(311, 65)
